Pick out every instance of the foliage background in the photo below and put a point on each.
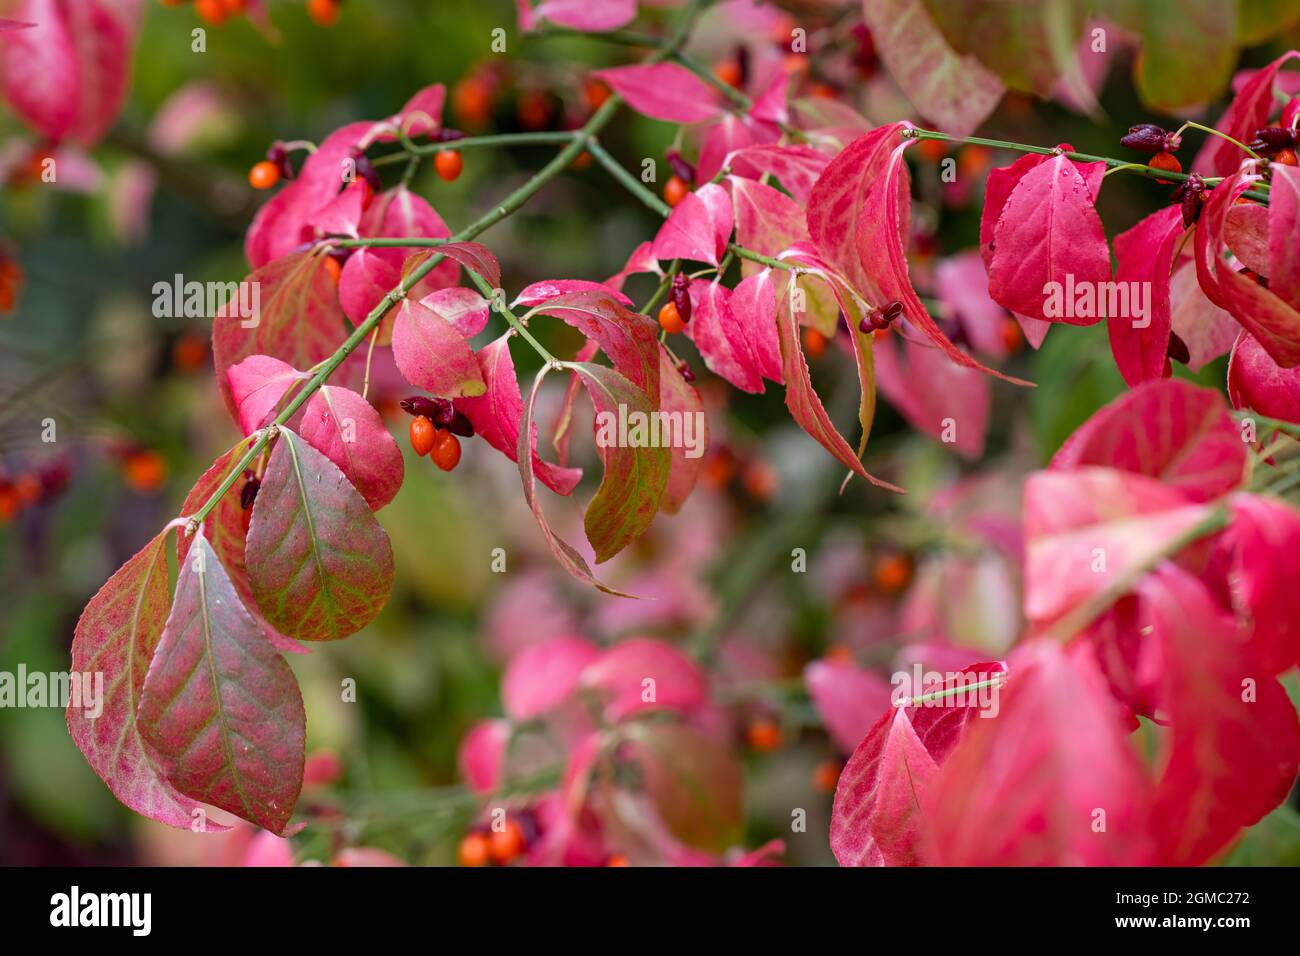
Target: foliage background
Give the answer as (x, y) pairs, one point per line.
(84, 348)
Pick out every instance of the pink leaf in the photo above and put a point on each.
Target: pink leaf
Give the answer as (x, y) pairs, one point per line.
(66, 69)
(1166, 429)
(219, 705)
(642, 674)
(1145, 256)
(848, 699)
(1207, 330)
(541, 676)
(796, 167)
(256, 385)
(584, 15)
(432, 355)
(954, 90)
(1047, 242)
(1256, 381)
(1024, 788)
(962, 284)
(1088, 528)
(664, 91)
(483, 753)
(723, 344)
(1283, 226)
(679, 397)
(937, 397)
(496, 415)
(347, 430)
(1233, 751)
(753, 308)
(698, 228)
(724, 138)
(116, 636)
(464, 309)
(1265, 536)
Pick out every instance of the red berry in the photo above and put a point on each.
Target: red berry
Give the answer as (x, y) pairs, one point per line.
(1286, 157)
(763, 735)
(324, 12)
(507, 844)
(211, 12)
(448, 164)
(814, 343)
(826, 776)
(675, 190)
(446, 451)
(423, 435)
(892, 573)
(670, 320)
(474, 850)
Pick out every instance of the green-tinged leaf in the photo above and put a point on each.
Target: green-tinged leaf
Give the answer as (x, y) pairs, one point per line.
(1261, 20)
(636, 458)
(220, 706)
(320, 565)
(116, 637)
(1189, 48)
(677, 396)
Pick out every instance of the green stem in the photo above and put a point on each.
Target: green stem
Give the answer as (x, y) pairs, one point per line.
(629, 182)
(518, 326)
(1114, 164)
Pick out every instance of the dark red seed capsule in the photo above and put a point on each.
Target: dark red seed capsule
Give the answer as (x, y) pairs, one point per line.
(1146, 138)
(893, 310)
(681, 296)
(867, 325)
(1276, 137)
(1178, 349)
(687, 374)
(458, 424)
(278, 155)
(1192, 201)
(447, 135)
(419, 405)
(248, 494)
(366, 170)
(680, 167)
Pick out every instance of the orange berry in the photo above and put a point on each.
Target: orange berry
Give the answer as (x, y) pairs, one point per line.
(892, 573)
(1013, 337)
(446, 451)
(794, 63)
(670, 320)
(839, 654)
(814, 343)
(582, 162)
(264, 175)
(28, 489)
(826, 776)
(11, 283)
(324, 12)
(144, 470)
(189, 352)
(507, 844)
(719, 468)
(972, 160)
(233, 7)
(932, 149)
(763, 734)
(822, 91)
(1167, 162)
(448, 164)
(474, 850)
(533, 111)
(211, 12)
(9, 503)
(595, 93)
(760, 480)
(617, 859)
(728, 71)
(1286, 157)
(334, 267)
(471, 98)
(675, 190)
(423, 435)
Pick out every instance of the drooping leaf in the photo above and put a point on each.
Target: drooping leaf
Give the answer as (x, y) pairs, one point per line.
(497, 413)
(1265, 540)
(1233, 751)
(698, 228)
(347, 430)
(636, 475)
(1145, 257)
(116, 636)
(664, 91)
(849, 699)
(679, 397)
(753, 308)
(465, 309)
(1207, 330)
(954, 91)
(256, 385)
(299, 321)
(1050, 780)
(796, 167)
(722, 341)
(433, 355)
(937, 397)
(1256, 381)
(1249, 110)
(641, 674)
(1167, 429)
(1283, 225)
(220, 706)
(320, 565)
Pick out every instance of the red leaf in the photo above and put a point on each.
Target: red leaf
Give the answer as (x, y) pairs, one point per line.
(1249, 110)
(679, 397)
(116, 636)
(796, 167)
(1050, 781)
(753, 309)
(219, 705)
(541, 676)
(298, 322)
(937, 397)
(320, 565)
(1232, 755)
(848, 699)
(465, 309)
(482, 754)
(1273, 322)
(1145, 257)
(256, 386)
(1283, 226)
(1256, 381)
(578, 14)
(1088, 528)
(1167, 429)
(432, 355)
(664, 91)
(698, 228)
(1207, 330)
(66, 70)
(722, 341)
(347, 430)
(1265, 534)
(496, 415)
(1049, 236)
(954, 90)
